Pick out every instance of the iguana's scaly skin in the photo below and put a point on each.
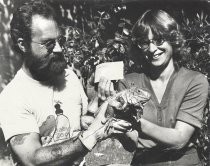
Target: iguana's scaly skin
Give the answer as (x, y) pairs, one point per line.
(132, 99)
(134, 96)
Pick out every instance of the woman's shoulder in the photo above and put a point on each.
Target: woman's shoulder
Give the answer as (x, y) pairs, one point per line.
(191, 73)
(192, 76)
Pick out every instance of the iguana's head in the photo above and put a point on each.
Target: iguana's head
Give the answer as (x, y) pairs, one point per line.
(130, 97)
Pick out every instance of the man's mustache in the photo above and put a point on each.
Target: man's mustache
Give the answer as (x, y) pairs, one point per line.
(54, 57)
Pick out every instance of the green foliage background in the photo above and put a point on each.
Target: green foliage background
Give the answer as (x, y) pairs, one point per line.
(101, 32)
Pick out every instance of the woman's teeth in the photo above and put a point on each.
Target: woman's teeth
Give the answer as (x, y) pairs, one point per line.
(156, 55)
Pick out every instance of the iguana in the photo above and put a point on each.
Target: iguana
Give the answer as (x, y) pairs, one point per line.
(126, 104)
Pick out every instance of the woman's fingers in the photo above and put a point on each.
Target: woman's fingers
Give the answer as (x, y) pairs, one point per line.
(101, 85)
(105, 88)
(111, 89)
(121, 126)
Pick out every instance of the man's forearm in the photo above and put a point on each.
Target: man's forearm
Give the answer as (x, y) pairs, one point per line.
(29, 150)
(59, 154)
(68, 151)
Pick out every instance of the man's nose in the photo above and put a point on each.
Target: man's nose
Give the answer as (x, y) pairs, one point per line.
(57, 47)
(152, 47)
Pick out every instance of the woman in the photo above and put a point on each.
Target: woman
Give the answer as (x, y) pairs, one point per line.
(166, 133)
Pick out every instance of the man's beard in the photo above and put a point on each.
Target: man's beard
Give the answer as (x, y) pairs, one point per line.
(46, 69)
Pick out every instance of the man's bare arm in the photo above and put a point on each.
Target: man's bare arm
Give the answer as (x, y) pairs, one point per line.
(28, 149)
(30, 152)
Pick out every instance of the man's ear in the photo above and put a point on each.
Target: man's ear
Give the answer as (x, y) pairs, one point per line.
(22, 44)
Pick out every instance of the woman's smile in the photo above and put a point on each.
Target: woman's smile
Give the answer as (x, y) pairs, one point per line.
(157, 56)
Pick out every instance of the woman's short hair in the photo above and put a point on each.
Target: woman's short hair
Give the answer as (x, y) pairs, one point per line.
(163, 26)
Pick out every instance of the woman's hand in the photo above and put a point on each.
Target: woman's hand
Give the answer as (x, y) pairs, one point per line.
(105, 88)
(119, 126)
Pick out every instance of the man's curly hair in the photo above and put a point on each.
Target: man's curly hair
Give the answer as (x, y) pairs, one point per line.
(22, 18)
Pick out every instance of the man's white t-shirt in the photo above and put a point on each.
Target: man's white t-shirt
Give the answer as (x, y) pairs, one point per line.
(28, 106)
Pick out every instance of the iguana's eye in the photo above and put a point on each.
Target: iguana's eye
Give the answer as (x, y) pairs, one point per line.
(121, 100)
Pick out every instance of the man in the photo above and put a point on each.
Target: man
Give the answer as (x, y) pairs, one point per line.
(42, 106)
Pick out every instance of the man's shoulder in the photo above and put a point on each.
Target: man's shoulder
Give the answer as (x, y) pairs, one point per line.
(72, 79)
(70, 74)
(13, 84)
(15, 88)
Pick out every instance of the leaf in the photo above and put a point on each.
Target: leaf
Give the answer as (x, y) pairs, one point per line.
(198, 16)
(201, 17)
(117, 35)
(106, 16)
(121, 25)
(126, 21)
(126, 31)
(109, 41)
(102, 27)
(96, 44)
(101, 13)
(187, 21)
(96, 17)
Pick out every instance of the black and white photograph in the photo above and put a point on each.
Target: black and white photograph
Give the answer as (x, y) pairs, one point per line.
(104, 83)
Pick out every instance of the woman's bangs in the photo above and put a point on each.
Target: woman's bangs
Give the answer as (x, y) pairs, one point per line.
(141, 31)
(158, 31)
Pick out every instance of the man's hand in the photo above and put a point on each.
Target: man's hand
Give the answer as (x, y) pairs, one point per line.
(97, 130)
(86, 121)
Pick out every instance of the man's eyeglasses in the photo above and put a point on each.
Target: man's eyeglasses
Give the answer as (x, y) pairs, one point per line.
(50, 44)
(144, 44)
